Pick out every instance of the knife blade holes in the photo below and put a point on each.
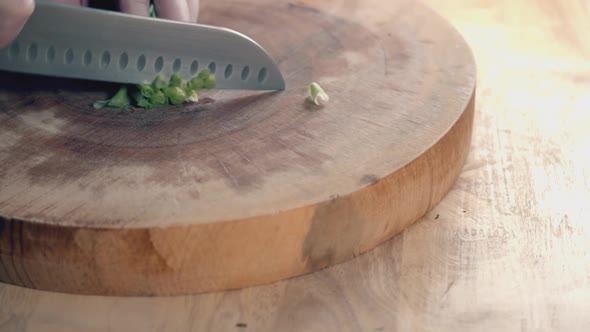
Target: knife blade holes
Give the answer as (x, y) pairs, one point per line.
(262, 75)
(32, 52)
(141, 62)
(176, 65)
(245, 73)
(105, 60)
(50, 54)
(69, 56)
(194, 67)
(228, 71)
(14, 50)
(159, 64)
(87, 58)
(123, 61)
(212, 67)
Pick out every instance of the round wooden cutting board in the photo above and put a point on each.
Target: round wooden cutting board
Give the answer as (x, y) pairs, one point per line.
(245, 187)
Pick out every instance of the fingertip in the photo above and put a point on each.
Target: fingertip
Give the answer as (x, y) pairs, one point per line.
(9, 33)
(135, 7)
(193, 6)
(177, 10)
(11, 27)
(5, 40)
(28, 8)
(69, 2)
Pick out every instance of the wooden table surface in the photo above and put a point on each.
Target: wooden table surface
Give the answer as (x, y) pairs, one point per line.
(507, 250)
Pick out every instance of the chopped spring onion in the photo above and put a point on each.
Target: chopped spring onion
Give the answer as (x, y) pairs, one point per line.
(175, 80)
(175, 95)
(119, 100)
(161, 92)
(317, 94)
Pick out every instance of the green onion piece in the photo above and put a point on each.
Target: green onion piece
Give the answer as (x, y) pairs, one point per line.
(204, 74)
(120, 99)
(210, 82)
(141, 100)
(196, 83)
(175, 81)
(158, 99)
(101, 104)
(161, 92)
(175, 94)
(159, 83)
(188, 88)
(193, 97)
(317, 94)
(153, 10)
(146, 90)
(144, 103)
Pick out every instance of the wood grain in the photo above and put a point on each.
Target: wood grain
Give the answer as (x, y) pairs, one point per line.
(248, 188)
(509, 250)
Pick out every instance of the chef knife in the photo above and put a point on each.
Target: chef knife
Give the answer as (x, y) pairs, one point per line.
(86, 43)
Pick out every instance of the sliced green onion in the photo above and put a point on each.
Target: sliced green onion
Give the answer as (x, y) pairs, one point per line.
(161, 92)
(146, 90)
(193, 97)
(210, 82)
(144, 103)
(196, 83)
(101, 104)
(175, 94)
(317, 94)
(175, 80)
(120, 99)
(159, 82)
(158, 99)
(204, 74)
(141, 100)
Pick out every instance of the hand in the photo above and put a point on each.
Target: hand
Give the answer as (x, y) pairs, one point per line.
(178, 10)
(15, 13)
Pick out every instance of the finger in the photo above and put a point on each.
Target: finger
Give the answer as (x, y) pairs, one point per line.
(173, 10)
(68, 2)
(13, 18)
(193, 7)
(135, 7)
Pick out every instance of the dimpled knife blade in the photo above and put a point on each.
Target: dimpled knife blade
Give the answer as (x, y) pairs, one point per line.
(93, 44)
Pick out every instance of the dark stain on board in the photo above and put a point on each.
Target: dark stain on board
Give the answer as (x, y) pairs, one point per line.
(369, 179)
(336, 233)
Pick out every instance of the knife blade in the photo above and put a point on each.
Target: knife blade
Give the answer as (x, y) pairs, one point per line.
(85, 43)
